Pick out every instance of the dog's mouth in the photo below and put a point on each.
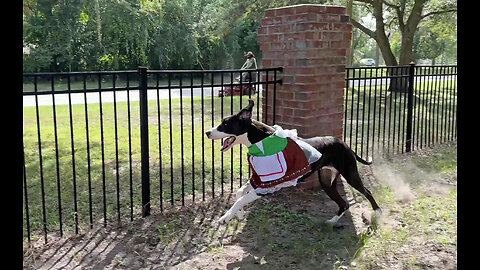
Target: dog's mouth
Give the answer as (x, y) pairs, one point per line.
(228, 143)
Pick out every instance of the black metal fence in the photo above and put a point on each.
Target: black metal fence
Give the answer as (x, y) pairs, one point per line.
(390, 110)
(106, 147)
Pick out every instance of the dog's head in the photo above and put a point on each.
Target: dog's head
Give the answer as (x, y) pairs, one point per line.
(237, 129)
(234, 128)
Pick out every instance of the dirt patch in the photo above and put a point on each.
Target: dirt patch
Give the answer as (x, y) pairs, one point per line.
(418, 230)
(288, 223)
(284, 231)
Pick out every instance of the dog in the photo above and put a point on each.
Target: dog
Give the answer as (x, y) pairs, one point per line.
(337, 162)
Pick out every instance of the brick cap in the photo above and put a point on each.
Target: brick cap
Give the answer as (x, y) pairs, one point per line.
(303, 5)
(305, 8)
(308, 5)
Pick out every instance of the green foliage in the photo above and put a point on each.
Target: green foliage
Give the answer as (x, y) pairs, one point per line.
(73, 35)
(437, 37)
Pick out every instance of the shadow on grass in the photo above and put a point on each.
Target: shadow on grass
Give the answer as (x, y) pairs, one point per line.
(288, 231)
(162, 239)
(285, 230)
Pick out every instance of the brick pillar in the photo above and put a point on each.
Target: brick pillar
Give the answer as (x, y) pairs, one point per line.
(311, 42)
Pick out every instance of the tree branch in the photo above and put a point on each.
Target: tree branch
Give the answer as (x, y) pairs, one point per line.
(415, 15)
(438, 12)
(364, 29)
(390, 4)
(365, 1)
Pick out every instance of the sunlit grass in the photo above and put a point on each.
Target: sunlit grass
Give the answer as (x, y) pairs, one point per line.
(197, 161)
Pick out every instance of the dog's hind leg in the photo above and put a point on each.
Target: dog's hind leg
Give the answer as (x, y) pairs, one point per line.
(353, 179)
(247, 187)
(328, 179)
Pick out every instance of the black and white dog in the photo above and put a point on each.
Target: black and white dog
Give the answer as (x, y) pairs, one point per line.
(337, 161)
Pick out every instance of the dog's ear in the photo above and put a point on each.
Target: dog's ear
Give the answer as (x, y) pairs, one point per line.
(246, 113)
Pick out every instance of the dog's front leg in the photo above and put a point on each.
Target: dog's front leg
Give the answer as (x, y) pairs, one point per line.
(241, 202)
(247, 187)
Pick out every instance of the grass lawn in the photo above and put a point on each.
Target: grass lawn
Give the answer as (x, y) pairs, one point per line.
(419, 229)
(417, 192)
(376, 118)
(195, 152)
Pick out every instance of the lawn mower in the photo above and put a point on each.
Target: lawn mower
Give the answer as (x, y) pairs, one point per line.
(247, 87)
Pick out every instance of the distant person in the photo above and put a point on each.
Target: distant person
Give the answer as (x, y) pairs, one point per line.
(250, 63)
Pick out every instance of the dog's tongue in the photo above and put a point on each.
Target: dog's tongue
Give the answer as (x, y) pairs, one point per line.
(227, 143)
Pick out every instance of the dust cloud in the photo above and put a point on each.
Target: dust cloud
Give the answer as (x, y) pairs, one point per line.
(395, 180)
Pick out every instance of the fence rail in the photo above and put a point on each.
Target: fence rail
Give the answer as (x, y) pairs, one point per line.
(103, 147)
(390, 110)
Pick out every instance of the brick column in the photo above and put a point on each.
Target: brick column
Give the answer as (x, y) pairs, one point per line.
(311, 42)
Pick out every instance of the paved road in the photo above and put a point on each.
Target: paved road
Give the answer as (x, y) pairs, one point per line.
(386, 81)
(107, 97)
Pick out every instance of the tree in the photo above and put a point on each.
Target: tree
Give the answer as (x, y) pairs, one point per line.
(75, 35)
(51, 30)
(360, 46)
(404, 15)
(428, 45)
(436, 37)
(237, 22)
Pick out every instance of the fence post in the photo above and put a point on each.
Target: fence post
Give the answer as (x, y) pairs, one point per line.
(411, 81)
(142, 79)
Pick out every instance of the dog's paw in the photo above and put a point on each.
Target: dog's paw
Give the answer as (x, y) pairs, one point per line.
(221, 220)
(240, 214)
(377, 219)
(366, 220)
(334, 221)
(225, 218)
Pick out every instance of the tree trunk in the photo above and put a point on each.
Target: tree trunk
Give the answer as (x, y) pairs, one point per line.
(400, 84)
(349, 60)
(406, 52)
(396, 84)
(399, 80)
(116, 65)
(408, 30)
(99, 25)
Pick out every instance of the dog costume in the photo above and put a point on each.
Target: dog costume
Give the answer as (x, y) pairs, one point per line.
(279, 160)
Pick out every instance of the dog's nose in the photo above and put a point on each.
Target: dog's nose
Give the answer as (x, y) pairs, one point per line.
(208, 134)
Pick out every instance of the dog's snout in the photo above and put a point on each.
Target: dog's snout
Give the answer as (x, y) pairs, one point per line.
(208, 133)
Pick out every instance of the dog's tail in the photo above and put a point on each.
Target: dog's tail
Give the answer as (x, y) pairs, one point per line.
(361, 160)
